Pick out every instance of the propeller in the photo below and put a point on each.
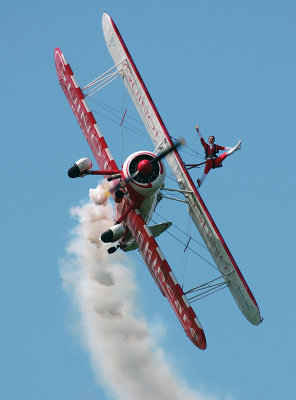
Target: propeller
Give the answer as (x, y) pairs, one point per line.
(180, 142)
(145, 166)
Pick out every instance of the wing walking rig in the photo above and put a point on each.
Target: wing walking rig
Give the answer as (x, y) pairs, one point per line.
(135, 187)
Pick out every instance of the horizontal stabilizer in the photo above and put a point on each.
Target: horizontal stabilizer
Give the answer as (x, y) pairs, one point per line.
(156, 230)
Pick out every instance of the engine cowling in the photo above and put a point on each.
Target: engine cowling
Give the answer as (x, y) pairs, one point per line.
(113, 234)
(80, 168)
(147, 177)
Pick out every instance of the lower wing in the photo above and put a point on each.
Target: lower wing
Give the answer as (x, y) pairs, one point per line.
(165, 279)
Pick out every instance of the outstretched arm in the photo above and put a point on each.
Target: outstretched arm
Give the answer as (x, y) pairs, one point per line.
(200, 136)
(198, 132)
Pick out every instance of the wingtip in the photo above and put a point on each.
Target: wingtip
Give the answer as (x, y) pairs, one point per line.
(105, 15)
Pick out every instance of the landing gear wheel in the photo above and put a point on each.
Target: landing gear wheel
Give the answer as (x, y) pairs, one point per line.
(112, 250)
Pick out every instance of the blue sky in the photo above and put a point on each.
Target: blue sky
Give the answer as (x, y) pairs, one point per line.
(228, 66)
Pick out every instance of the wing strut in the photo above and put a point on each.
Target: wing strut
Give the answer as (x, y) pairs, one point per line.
(209, 287)
(101, 81)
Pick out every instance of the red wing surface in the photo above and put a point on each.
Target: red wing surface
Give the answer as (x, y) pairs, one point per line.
(83, 114)
(165, 279)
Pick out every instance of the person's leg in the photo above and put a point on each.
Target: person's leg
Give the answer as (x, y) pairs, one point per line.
(208, 167)
(220, 159)
(233, 149)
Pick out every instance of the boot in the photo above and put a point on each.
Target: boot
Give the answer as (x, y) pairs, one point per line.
(233, 149)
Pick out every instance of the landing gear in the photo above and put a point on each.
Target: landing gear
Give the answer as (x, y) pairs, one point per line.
(119, 193)
(112, 250)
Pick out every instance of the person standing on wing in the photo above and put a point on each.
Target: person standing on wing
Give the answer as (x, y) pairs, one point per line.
(211, 150)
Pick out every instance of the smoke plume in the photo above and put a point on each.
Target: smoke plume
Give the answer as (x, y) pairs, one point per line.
(126, 358)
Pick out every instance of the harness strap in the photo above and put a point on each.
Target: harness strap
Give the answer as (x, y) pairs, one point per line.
(213, 153)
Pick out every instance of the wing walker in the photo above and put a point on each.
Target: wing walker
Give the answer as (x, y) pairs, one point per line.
(136, 186)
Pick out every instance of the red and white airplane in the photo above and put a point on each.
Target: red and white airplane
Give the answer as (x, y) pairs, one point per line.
(136, 186)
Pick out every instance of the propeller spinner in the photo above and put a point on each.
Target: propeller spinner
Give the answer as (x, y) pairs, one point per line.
(145, 168)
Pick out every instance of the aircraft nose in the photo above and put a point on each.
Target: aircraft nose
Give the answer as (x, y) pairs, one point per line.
(145, 167)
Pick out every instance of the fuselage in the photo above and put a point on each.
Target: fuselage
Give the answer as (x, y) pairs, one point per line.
(142, 191)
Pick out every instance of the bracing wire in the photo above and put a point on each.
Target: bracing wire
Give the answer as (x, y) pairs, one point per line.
(124, 107)
(188, 247)
(133, 128)
(185, 254)
(117, 114)
(184, 233)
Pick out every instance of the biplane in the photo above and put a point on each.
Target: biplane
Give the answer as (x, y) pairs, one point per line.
(135, 187)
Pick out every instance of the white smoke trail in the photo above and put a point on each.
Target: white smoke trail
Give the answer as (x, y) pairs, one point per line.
(124, 354)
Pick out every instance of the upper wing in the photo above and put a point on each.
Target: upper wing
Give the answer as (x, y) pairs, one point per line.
(83, 114)
(134, 82)
(160, 137)
(165, 279)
